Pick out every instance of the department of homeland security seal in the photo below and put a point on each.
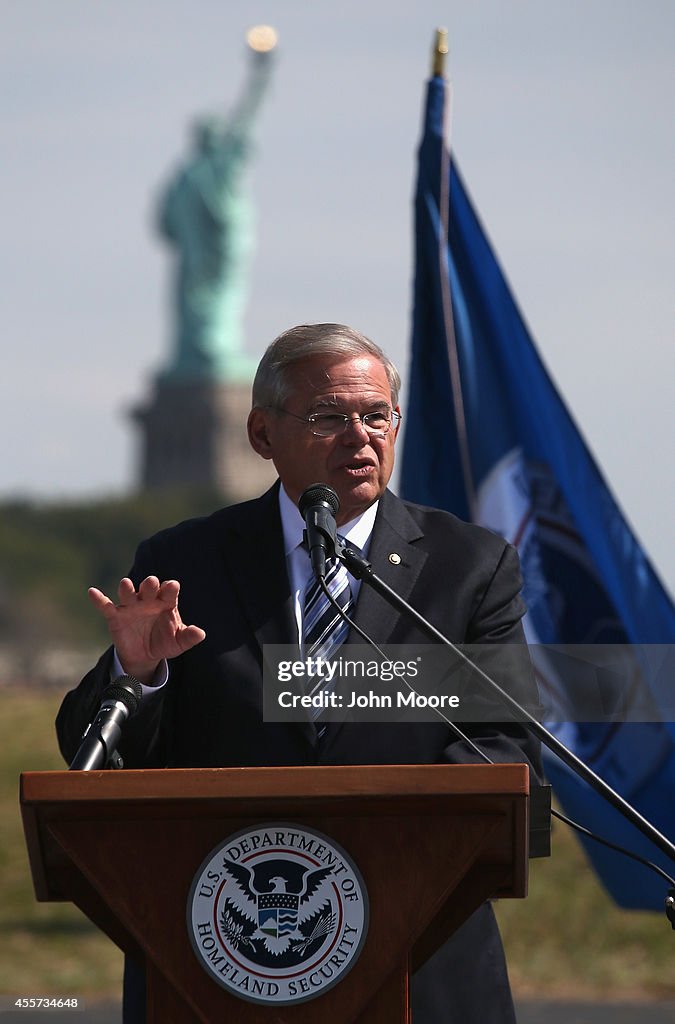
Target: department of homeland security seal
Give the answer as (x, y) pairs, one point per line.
(277, 914)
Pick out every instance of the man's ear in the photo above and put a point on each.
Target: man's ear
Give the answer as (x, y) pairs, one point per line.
(258, 433)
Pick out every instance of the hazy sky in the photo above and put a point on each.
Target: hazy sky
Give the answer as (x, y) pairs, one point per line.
(562, 126)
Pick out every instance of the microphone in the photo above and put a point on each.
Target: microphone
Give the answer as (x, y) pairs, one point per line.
(119, 701)
(319, 506)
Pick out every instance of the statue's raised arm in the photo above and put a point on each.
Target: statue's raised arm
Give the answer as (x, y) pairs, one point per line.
(207, 217)
(262, 42)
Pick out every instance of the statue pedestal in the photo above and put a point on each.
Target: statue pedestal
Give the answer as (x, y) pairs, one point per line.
(193, 434)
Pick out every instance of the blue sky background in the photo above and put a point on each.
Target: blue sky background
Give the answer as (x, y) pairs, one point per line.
(562, 126)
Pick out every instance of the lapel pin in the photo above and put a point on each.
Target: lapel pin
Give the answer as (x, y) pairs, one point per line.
(394, 558)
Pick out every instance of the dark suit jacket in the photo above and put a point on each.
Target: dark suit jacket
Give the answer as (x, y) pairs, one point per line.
(234, 584)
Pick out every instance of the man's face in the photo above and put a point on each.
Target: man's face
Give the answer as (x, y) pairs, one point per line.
(355, 464)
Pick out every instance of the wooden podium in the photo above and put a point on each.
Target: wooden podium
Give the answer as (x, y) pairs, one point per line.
(431, 843)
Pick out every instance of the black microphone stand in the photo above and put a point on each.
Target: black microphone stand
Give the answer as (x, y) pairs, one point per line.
(361, 568)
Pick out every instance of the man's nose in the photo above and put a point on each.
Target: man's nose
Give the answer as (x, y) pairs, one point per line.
(355, 433)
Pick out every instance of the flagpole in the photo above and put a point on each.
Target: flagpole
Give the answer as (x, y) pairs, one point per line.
(440, 53)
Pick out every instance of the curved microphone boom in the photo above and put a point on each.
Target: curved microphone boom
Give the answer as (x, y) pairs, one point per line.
(319, 506)
(119, 702)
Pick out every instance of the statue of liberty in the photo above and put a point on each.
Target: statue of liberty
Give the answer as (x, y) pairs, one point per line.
(207, 216)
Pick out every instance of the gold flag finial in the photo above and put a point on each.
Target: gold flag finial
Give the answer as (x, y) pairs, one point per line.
(440, 51)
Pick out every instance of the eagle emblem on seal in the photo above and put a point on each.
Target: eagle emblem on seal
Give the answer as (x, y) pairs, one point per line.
(289, 912)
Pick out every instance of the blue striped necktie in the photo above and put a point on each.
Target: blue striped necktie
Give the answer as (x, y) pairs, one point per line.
(323, 628)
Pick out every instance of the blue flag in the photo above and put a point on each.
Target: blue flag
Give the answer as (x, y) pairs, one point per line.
(488, 437)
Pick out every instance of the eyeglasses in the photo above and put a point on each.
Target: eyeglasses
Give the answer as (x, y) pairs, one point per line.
(331, 424)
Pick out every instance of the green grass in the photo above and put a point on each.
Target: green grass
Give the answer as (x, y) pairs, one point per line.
(47, 948)
(567, 939)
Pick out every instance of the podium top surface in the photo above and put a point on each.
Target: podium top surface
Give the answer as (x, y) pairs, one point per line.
(324, 782)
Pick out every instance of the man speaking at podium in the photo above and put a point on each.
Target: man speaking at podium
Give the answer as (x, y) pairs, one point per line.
(204, 596)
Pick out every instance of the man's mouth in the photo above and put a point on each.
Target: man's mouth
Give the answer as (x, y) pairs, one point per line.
(358, 468)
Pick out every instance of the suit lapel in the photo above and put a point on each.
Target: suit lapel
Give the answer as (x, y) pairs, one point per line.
(254, 552)
(397, 560)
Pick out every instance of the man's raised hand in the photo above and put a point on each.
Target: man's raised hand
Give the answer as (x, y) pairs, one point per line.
(145, 625)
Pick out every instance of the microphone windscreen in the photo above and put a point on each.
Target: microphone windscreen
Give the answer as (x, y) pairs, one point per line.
(126, 690)
(317, 493)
